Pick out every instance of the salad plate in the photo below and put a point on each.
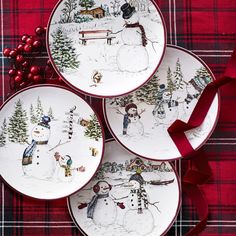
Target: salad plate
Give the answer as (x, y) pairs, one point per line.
(140, 120)
(106, 48)
(51, 142)
(128, 196)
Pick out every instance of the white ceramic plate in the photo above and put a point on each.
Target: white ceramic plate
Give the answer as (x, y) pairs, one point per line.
(106, 48)
(139, 121)
(51, 142)
(128, 196)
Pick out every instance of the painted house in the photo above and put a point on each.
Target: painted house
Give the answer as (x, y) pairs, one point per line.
(95, 12)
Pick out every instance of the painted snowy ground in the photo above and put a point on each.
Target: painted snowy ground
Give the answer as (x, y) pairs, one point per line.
(97, 55)
(168, 197)
(156, 142)
(78, 148)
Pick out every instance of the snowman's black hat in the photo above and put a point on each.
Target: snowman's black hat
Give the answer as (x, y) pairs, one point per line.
(138, 178)
(44, 122)
(127, 10)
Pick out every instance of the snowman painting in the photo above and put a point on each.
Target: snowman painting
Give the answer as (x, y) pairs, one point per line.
(132, 126)
(166, 110)
(132, 56)
(138, 203)
(37, 161)
(102, 209)
(64, 168)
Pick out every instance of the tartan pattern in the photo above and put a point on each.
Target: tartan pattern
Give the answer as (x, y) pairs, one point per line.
(207, 28)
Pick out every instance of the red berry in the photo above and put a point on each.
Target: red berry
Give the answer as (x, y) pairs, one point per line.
(12, 72)
(6, 52)
(37, 44)
(30, 76)
(24, 37)
(27, 48)
(25, 64)
(20, 73)
(40, 30)
(20, 47)
(30, 40)
(18, 79)
(34, 70)
(37, 78)
(13, 53)
(19, 58)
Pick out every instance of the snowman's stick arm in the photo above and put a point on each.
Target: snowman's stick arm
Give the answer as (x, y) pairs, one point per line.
(117, 32)
(117, 199)
(119, 112)
(59, 144)
(152, 42)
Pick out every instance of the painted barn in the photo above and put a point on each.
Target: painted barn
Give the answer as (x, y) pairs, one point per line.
(95, 12)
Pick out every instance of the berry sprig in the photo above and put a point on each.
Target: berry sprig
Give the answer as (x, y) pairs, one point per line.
(23, 71)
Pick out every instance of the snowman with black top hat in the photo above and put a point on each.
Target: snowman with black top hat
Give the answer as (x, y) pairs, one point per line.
(132, 56)
(37, 161)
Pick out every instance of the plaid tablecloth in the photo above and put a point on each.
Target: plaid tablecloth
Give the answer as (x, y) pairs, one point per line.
(207, 28)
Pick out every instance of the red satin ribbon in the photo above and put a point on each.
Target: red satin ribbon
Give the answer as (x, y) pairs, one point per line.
(200, 172)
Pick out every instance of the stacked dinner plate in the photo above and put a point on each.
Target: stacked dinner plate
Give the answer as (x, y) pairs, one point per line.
(53, 143)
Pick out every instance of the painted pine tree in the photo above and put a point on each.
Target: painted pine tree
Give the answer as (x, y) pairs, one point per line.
(170, 83)
(63, 52)
(17, 126)
(93, 130)
(50, 113)
(202, 78)
(39, 110)
(3, 133)
(33, 118)
(148, 92)
(86, 4)
(178, 76)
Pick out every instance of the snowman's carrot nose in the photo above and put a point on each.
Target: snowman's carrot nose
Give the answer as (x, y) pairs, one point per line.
(128, 185)
(106, 188)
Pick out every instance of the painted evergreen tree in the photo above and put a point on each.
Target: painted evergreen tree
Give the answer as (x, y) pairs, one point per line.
(33, 118)
(3, 134)
(93, 130)
(123, 101)
(69, 6)
(39, 110)
(50, 113)
(17, 126)
(170, 83)
(178, 76)
(202, 78)
(86, 4)
(148, 92)
(63, 52)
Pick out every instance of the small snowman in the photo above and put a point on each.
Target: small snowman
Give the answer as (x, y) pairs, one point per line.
(132, 125)
(102, 209)
(138, 218)
(166, 111)
(64, 168)
(37, 161)
(132, 56)
(193, 90)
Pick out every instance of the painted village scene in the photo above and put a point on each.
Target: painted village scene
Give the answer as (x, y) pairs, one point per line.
(141, 119)
(106, 47)
(49, 148)
(127, 196)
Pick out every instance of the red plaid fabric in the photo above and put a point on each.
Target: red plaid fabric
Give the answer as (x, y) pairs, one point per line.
(207, 28)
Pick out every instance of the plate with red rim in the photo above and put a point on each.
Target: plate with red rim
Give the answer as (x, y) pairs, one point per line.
(128, 196)
(50, 146)
(106, 48)
(139, 120)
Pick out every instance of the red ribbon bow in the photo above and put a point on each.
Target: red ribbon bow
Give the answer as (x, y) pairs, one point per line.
(201, 173)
